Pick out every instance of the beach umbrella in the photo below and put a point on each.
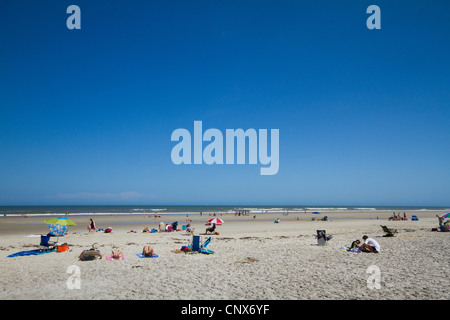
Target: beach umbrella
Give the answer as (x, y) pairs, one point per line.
(315, 212)
(57, 230)
(446, 215)
(61, 220)
(215, 220)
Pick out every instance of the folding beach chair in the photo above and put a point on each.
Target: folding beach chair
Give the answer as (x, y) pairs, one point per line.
(205, 244)
(194, 247)
(389, 232)
(322, 237)
(195, 244)
(45, 242)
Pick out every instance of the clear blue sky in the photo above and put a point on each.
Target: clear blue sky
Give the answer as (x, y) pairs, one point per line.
(86, 115)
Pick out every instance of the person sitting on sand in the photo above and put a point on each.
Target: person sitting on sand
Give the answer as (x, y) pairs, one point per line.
(90, 254)
(446, 226)
(211, 229)
(148, 251)
(355, 244)
(441, 223)
(370, 245)
(189, 228)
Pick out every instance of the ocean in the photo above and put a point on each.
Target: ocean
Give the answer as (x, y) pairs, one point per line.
(194, 209)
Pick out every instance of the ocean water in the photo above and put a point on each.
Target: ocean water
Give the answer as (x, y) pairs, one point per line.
(191, 209)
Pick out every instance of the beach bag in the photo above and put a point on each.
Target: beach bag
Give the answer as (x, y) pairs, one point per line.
(108, 230)
(62, 248)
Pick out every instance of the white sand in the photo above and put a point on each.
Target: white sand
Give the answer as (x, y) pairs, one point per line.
(254, 259)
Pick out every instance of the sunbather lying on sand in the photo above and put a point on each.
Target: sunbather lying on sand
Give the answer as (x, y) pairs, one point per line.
(116, 254)
(146, 230)
(90, 254)
(148, 251)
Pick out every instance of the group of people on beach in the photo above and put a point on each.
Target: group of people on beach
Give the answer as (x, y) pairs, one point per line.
(398, 217)
(116, 254)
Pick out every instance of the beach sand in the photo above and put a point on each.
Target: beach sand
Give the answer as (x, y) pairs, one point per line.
(254, 259)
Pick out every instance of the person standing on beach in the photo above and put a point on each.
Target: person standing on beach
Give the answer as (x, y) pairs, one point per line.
(91, 225)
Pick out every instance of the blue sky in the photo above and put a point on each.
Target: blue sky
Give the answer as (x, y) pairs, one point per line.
(86, 115)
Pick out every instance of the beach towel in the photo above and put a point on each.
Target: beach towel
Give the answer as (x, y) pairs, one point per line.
(206, 251)
(345, 249)
(140, 255)
(30, 253)
(110, 258)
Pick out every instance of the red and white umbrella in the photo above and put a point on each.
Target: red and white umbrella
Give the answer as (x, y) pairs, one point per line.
(215, 220)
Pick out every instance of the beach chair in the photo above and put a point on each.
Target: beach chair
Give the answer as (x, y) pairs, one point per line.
(45, 242)
(198, 247)
(212, 229)
(322, 237)
(389, 232)
(203, 247)
(195, 245)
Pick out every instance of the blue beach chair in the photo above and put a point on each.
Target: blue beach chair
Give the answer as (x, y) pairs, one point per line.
(45, 242)
(204, 245)
(195, 243)
(197, 247)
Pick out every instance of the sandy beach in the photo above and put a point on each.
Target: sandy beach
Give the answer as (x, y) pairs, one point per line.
(254, 259)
